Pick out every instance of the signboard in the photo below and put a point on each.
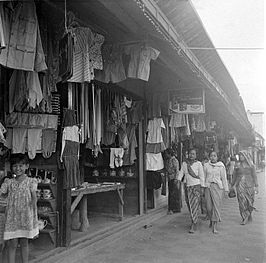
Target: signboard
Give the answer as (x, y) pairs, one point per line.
(186, 101)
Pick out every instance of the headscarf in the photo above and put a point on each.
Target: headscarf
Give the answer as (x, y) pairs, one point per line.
(247, 157)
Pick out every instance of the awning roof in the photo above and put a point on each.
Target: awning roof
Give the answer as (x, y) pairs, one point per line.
(189, 26)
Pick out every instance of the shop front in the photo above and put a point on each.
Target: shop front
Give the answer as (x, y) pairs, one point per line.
(94, 97)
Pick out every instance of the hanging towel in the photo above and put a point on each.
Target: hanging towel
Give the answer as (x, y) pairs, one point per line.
(34, 142)
(19, 140)
(48, 142)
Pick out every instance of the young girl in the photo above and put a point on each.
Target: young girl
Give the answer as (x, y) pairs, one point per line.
(21, 212)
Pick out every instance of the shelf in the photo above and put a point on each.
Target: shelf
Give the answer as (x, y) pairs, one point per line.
(112, 177)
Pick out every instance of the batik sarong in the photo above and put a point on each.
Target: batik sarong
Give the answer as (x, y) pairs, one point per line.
(245, 196)
(193, 200)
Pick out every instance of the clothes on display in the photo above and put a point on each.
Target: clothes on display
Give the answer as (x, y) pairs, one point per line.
(154, 161)
(70, 149)
(154, 180)
(23, 46)
(113, 68)
(140, 57)
(116, 157)
(130, 153)
(34, 142)
(2, 132)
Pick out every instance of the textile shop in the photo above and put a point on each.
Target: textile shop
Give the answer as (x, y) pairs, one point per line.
(87, 109)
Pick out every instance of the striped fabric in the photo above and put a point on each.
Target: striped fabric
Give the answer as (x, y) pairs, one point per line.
(81, 60)
(193, 199)
(245, 196)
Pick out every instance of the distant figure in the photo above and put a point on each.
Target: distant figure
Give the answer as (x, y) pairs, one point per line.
(246, 183)
(192, 170)
(172, 169)
(216, 185)
(230, 169)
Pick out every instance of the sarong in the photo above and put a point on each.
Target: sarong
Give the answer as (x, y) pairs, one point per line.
(193, 200)
(213, 197)
(174, 196)
(245, 196)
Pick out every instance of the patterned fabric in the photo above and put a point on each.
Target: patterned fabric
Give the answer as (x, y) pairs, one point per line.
(213, 197)
(245, 196)
(21, 217)
(172, 168)
(193, 198)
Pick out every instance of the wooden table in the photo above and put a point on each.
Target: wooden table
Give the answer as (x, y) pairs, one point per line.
(81, 197)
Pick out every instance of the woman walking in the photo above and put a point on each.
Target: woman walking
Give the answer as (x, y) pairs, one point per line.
(216, 184)
(246, 183)
(193, 174)
(172, 169)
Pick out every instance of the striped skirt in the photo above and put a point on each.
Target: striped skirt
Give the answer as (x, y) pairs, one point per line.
(245, 196)
(193, 200)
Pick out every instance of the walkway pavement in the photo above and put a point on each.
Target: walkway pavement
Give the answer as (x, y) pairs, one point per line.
(168, 241)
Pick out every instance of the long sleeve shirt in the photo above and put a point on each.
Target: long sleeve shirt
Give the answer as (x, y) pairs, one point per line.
(215, 173)
(188, 179)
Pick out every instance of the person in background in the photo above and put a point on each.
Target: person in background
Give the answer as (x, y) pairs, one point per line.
(193, 174)
(21, 211)
(230, 169)
(216, 186)
(246, 183)
(172, 170)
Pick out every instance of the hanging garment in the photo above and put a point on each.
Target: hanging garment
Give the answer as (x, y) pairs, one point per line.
(98, 121)
(35, 90)
(165, 132)
(69, 118)
(2, 132)
(18, 91)
(154, 161)
(116, 157)
(113, 68)
(154, 180)
(154, 130)
(177, 120)
(83, 38)
(34, 142)
(3, 27)
(200, 125)
(66, 57)
(24, 49)
(135, 113)
(48, 142)
(19, 140)
(130, 154)
(71, 164)
(70, 133)
(187, 129)
(95, 53)
(9, 138)
(140, 57)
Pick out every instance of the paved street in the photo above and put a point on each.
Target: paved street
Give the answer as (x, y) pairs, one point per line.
(168, 241)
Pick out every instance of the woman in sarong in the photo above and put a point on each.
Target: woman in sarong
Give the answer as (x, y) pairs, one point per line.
(246, 183)
(174, 195)
(216, 185)
(193, 174)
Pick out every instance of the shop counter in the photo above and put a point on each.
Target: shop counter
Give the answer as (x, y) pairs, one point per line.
(81, 195)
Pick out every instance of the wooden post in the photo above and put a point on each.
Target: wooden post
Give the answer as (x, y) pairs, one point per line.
(121, 203)
(141, 170)
(84, 214)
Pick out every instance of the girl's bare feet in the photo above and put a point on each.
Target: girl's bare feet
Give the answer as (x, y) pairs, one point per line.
(192, 229)
(214, 228)
(244, 221)
(210, 225)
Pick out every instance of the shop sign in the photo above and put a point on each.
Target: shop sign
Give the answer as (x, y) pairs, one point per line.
(186, 101)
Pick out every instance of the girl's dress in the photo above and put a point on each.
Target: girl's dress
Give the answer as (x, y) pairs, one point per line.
(21, 217)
